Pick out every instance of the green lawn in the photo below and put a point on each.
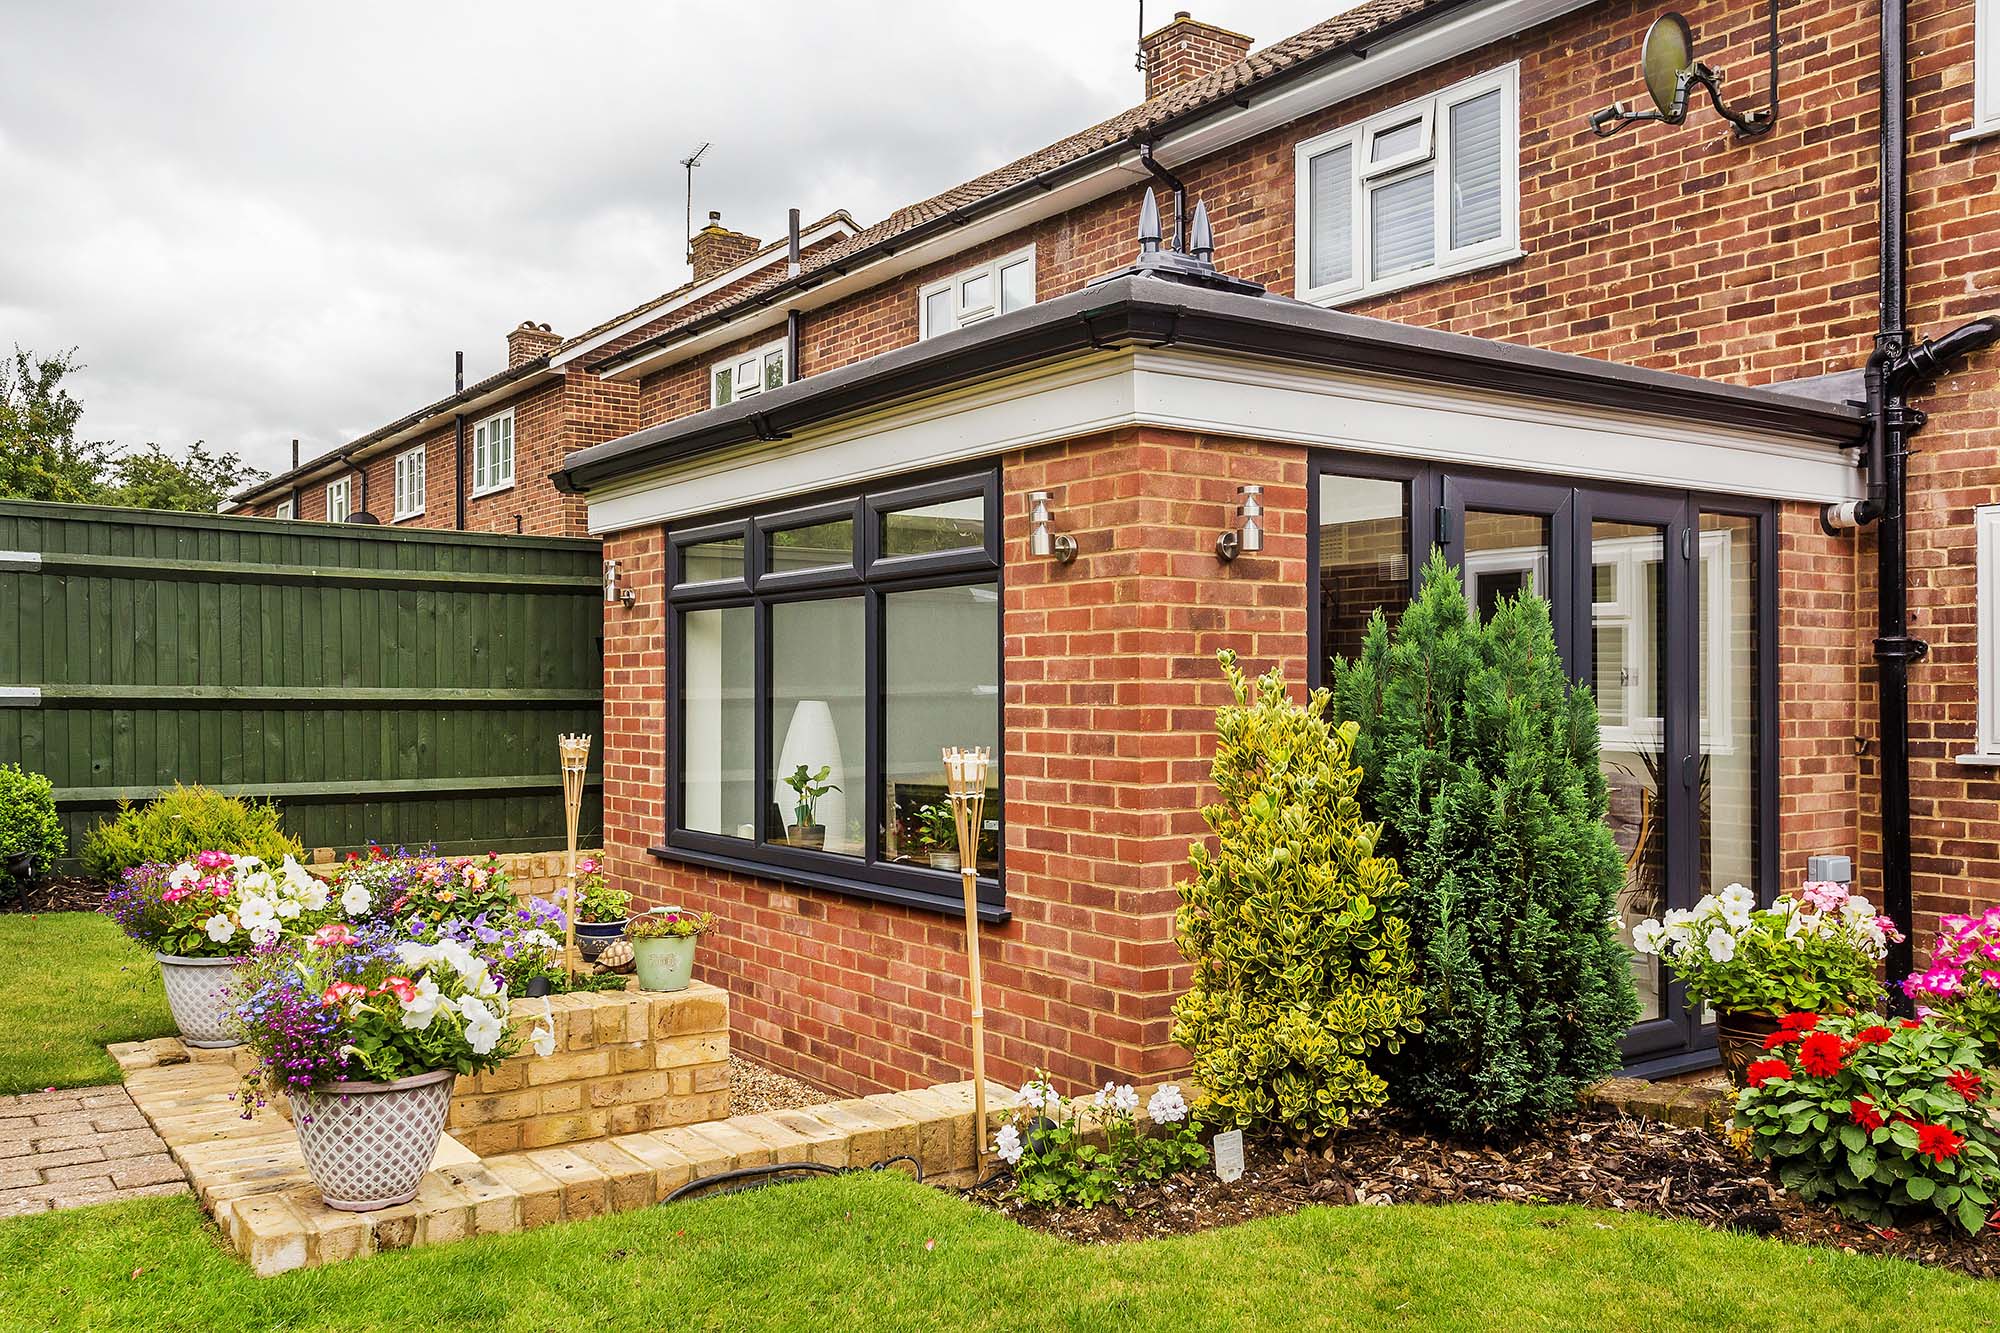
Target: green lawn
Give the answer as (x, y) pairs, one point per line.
(74, 983)
(850, 1253)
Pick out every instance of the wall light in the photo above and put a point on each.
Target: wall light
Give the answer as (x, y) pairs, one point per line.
(615, 592)
(1043, 539)
(1250, 536)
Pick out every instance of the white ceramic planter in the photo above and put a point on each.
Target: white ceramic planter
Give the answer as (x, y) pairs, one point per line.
(369, 1144)
(198, 993)
(664, 962)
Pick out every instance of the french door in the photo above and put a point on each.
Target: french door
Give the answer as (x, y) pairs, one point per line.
(1660, 603)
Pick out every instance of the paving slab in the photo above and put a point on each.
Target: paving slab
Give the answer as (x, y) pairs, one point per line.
(77, 1146)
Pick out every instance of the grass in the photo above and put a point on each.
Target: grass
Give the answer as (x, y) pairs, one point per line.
(74, 983)
(882, 1252)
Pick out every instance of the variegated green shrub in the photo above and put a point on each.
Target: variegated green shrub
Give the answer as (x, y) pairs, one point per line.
(1300, 974)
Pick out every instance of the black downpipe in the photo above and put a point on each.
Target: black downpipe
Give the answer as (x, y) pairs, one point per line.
(791, 346)
(1172, 182)
(458, 449)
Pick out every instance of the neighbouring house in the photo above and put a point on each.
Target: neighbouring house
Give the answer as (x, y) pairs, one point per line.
(481, 458)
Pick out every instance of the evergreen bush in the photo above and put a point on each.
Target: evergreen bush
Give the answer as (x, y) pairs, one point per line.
(28, 821)
(184, 821)
(1480, 759)
(1302, 972)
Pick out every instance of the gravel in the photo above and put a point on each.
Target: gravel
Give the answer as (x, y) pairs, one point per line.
(754, 1089)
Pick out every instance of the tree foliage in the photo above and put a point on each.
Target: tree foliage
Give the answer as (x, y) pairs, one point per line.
(1302, 969)
(1481, 761)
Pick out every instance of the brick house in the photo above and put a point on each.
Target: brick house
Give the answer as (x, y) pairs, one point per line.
(481, 458)
(1627, 372)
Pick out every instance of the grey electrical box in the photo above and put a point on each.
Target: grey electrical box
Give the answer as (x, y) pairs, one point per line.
(1830, 869)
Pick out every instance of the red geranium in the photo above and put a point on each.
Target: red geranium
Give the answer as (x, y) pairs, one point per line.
(1799, 1022)
(1865, 1114)
(1909, 1024)
(1779, 1038)
(1819, 1054)
(1966, 1084)
(1938, 1142)
(1761, 1072)
(1873, 1036)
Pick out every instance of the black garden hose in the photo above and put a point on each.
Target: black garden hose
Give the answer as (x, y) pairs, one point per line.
(743, 1174)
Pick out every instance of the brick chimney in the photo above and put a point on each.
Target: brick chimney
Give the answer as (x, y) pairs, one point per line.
(1186, 50)
(528, 342)
(716, 249)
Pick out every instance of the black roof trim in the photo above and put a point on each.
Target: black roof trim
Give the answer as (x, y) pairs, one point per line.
(1141, 311)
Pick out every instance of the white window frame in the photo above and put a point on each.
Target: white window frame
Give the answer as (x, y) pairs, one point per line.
(344, 488)
(410, 467)
(287, 509)
(1986, 529)
(963, 314)
(1434, 152)
(1985, 72)
(759, 357)
(482, 441)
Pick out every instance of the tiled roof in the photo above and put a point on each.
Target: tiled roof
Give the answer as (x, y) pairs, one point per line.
(1332, 34)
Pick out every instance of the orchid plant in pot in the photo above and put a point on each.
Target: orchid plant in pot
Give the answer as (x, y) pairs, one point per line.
(663, 945)
(203, 918)
(937, 830)
(365, 1030)
(1817, 953)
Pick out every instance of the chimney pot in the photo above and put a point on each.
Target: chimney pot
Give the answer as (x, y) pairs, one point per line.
(1186, 50)
(716, 249)
(529, 341)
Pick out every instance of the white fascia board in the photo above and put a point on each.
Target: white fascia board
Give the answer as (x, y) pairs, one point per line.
(832, 229)
(1395, 58)
(1242, 399)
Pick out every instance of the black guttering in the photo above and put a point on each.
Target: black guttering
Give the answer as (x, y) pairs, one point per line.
(1236, 99)
(348, 452)
(1138, 311)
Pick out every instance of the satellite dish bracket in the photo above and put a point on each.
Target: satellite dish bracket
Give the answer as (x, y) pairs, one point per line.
(1748, 124)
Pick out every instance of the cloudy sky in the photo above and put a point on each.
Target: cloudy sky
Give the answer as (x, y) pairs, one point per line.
(260, 221)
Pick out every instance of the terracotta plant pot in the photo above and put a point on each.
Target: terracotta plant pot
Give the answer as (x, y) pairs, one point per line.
(805, 835)
(369, 1144)
(664, 962)
(1739, 1036)
(592, 936)
(198, 994)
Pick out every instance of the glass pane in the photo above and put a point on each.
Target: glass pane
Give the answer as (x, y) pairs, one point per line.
(1726, 590)
(818, 725)
(814, 547)
(1364, 557)
(1629, 672)
(1505, 555)
(1396, 141)
(719, 559)
(1475, 170)
(1402, 234)
(941, 686)
(1017, 285)
(949, 525)
(937, 313)
(1333, 217)
(1604, 583)
(774, 370)
(976, 292)
(723, 379)
(718, 721)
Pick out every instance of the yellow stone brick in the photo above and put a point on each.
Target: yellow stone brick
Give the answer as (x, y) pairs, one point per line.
(548, 1131)
(540, 1194)
(671, 1167)
(933, 1125)
(700, 1008)
(629, 1119)
(491, 1140)
(563, 1099)
(635, 1055)
(493, 1110)
(269, 1234)
(394, 1228)
(450, 1152)
(568, 1068)
(332, 1235)
(689, 1052)
(496, 1209)
(956, 1124)
(866, 1139)
(689, 1110)
(822, 1143)
(646, 1087)
(630, 1179)
(786, 1144)
(705, 1157)
(444, 1211)
(745, 1149)
(608, 1020)
(511, 1076)
(585, 1191)
(711, 1078)
(899, 1127)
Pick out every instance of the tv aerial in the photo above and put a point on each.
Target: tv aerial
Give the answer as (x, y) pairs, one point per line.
(1672, 75)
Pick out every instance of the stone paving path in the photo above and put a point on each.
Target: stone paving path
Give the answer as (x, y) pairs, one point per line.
(79, 1145)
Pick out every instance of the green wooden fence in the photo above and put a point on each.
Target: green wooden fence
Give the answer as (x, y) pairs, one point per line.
(385, 685)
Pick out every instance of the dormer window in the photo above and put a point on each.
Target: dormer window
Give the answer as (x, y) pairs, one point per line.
(1006, 284)
(751, 373)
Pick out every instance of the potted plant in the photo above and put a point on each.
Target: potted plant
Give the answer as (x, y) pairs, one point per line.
(365, 1032)
(1814, 954)
(600, 909)
(807, 789)
(663, 943)
(1960, 988)
(202, 918)
(937, 832)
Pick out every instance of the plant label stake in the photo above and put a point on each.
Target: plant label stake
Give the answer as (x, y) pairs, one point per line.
(965, 781)
(575, 752)
(1229, 1156)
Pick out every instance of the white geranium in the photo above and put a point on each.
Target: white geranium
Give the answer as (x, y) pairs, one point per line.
(1166, 1106)
(1038, 1097)
(1646, 937)
(482, 1025)
(220, 928)
(1721, 945)
(354, 900)
(1125, 1100)
(1007, 1145)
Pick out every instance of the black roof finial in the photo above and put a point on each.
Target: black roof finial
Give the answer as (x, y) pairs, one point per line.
(1196, 266)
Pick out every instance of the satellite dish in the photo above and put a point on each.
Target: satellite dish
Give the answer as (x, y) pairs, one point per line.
(1669, 50)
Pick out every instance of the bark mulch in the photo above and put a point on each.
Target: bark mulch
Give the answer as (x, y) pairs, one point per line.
(77, 894)
(1599, 1159)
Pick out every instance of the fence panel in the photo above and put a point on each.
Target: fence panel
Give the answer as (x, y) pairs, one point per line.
(386, 685)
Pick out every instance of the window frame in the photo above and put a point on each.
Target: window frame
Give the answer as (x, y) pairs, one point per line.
(872, 578)
(962, 314)
(482, 444)
(287, 509)
(1434, 155)
(1986, 738)
(1985, 73)
(400, 512)
(761, 356)
(345, 486)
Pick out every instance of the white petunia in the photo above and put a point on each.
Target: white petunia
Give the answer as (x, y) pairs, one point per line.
(219, 928)
(1166, 1106)
(245, 864)
(1646, 937)
(1721, 945)
(1737, 905)
(1677, 927)
(1007, 1145)
(482, 1028)
(354, 900)
(182, 875)
(256, 912)
(542, 1041)
(287, 908)
(422, 1009)
(258, 883)
(263, 935)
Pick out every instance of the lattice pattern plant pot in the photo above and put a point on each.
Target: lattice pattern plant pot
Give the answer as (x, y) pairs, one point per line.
(369, 1144)
(198, 993)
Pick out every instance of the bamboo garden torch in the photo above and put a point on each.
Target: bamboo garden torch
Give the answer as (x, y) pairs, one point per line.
(575, 758)
(965, 782)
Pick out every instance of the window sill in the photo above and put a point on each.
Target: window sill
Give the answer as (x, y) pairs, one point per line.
(1977, 760)
(1418, 278)
(490, 490)
(1975, 132)
(405, 518)
(989, 914)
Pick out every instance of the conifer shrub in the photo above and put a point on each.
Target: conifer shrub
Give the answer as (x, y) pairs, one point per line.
(1480, 759)
(28, 822)
(1302, 970)
(181, 823)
